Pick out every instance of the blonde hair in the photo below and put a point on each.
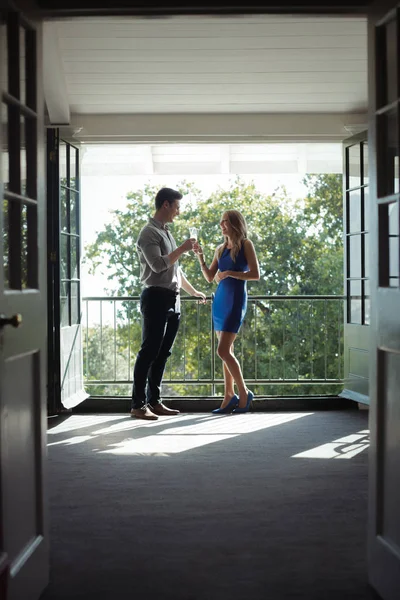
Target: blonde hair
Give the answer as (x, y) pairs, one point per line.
(239, 233)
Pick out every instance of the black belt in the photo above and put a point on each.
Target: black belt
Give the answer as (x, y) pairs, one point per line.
(164, 290)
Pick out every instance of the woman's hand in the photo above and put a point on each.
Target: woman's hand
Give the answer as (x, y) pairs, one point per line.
(200, 295)
(223, 275)
(197, 249)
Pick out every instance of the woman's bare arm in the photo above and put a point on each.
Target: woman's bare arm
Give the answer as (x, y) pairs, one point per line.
(208, 272)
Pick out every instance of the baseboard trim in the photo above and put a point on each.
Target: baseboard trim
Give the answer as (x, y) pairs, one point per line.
(260, 404)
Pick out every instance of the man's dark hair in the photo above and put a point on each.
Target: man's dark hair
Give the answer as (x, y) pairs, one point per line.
(166, 195)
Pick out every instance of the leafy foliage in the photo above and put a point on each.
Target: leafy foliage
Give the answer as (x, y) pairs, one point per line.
(300, 250)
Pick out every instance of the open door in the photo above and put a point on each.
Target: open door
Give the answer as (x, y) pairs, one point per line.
(384, 475)
(64, 285)
(71, 359)
(356, 268)
(23, 527)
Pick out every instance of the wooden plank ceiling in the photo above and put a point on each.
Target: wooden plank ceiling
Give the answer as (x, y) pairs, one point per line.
(249, 64)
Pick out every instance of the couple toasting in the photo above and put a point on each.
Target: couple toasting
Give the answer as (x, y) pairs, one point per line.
(234, 263)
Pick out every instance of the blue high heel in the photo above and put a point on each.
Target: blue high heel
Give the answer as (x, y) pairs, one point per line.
(233, 402)
(245, 409)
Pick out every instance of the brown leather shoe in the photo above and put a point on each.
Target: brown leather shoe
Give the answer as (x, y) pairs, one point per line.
(162, 410)
(143, 413)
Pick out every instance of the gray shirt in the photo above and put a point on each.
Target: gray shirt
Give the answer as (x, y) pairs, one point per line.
(154, 244)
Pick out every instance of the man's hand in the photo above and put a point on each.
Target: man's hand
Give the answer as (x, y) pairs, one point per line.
(187, 245)
(200, 295)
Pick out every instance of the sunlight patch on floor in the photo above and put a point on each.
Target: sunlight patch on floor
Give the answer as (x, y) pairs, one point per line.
(130, 423)
(164, 445)
(342, 448)
(236, 424)
(82, 421)
(78, 439)
(180, 439)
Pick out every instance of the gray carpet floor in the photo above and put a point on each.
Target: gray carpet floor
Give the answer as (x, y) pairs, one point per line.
(201, 507)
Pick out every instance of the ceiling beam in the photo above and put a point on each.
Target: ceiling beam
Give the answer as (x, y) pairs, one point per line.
(54, 83)
(214, 128)
(57, 8)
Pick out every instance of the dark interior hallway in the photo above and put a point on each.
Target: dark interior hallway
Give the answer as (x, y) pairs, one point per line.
(219, 508)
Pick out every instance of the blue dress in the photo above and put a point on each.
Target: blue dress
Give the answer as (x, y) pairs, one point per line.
(230, 301)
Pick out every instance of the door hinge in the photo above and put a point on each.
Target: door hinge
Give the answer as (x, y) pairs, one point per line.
(52, 156)
(53, 257)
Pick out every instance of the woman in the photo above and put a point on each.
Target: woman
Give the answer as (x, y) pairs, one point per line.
(234, 263)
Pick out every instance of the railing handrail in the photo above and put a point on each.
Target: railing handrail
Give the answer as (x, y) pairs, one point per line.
(250, 297)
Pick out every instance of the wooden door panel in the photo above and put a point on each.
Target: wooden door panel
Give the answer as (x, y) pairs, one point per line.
(388, 515)
(23, 522)
(384, 456)
(19, 433)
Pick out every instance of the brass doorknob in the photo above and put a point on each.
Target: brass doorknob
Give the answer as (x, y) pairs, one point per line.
(14, 321)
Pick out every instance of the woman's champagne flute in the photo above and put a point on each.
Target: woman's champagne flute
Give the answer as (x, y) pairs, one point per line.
(194, 232)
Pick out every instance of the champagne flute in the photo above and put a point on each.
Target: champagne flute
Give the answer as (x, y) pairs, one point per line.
(194, 232)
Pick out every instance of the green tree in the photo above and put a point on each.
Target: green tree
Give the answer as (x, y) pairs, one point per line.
(299, 247)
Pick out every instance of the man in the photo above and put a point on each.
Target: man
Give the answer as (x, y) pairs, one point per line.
(159, 304)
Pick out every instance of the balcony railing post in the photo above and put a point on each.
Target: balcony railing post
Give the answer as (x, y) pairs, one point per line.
(212, 351)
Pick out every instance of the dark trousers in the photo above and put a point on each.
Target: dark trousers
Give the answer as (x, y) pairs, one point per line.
(160, 324)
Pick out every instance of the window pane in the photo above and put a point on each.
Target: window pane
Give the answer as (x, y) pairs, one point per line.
(366, 165)
(3, 54)
(74, 258)
(64, 303)
(355, 255)
(64, 257)
(23, 156)
(355, 301)
(14, 244)
(354, 211)
(388, 176)
(5, 245)
(394, 219)
(74, 303)
(391, 61)
(354, 166)
(355, 310)
(367, 209)
(64, 209)
(355, 287)
(367, 257)
(22, 70)
(24, 248)
(367, 303)
(73, 165)
(367, 311)
(4, 154)
(393, 244)
(63, 163)
(393, 261)
(73, 207)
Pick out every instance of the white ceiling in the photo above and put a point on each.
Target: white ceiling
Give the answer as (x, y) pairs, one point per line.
(211, 159)
(260, 64)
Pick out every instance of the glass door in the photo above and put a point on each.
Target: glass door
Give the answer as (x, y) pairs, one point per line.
(66, 376)
(356, 268)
